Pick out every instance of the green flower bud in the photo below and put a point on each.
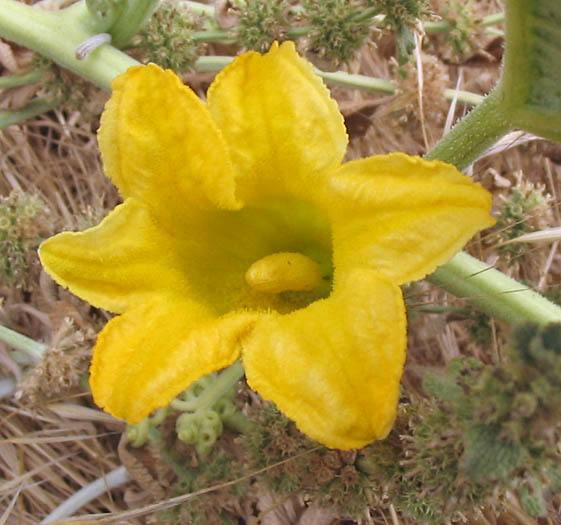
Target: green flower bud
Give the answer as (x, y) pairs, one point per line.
(188, 427)
(137, 435)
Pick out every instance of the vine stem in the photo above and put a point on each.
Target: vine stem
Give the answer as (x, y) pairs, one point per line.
(494, 292)
(41, 31)
(56, 35)
(464, 276)
(18, 341)
(474, 134)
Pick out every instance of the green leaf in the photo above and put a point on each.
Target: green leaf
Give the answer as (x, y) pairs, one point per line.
(487, 455)
(533, 504)
(443, 387)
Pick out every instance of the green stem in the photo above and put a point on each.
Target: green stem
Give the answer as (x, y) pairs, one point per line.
(494, 292)
(224, 382)
(213, 392)
(40, 30)
(443, 26)
(464, 276)
(463, 96)
(212, 64)
(474, 134)
(214, 35)
(366, 14)
(131, 20)
(31, 347)
(201, 9)
(24, 79)
(297, 32)
(238, 422)
(494, 32)
(56, 35)
(34, 108)
(438, 309)
(340, 78)
(491, 20)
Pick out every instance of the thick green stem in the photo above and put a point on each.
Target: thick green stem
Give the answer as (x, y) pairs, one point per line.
(494, 292)
(31, 347)
(464, 276)
(474, 134)
(57, 35)
(527, 97)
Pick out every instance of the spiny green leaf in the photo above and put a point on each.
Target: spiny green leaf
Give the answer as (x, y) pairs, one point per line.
(443, 387)
(488, 455)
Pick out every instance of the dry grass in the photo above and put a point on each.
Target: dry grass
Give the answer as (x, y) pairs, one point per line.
(52, 444)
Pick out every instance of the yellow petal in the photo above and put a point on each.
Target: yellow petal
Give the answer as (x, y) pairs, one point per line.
(160, 145)
(147, 356)
(403, 216)
(335, 366)
(117, 264)
(283, 129)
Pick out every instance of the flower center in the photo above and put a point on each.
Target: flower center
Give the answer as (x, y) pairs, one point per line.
(282, 272)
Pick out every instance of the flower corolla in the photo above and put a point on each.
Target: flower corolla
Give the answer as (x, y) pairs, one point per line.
(242, 235)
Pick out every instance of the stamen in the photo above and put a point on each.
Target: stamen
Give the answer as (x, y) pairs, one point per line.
(281, 272)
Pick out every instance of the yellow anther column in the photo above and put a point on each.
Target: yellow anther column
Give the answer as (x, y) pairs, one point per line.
(281, 272)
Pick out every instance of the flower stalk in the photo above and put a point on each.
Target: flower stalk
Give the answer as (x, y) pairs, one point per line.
(494, 292)
(215, 391)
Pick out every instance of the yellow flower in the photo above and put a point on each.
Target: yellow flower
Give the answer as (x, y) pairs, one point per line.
(242, 235)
